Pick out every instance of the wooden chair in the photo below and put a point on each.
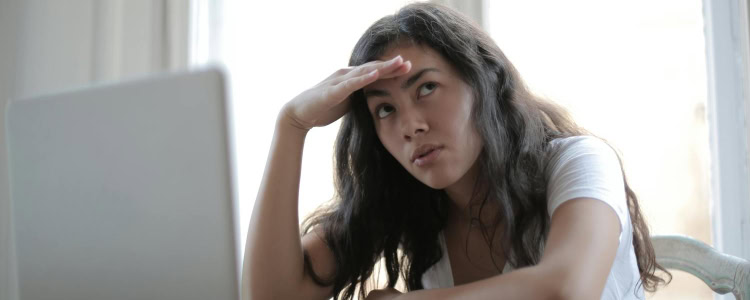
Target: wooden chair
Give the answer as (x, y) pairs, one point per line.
(721, 272)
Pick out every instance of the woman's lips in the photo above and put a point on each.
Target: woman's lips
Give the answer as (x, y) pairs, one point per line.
(428, 158)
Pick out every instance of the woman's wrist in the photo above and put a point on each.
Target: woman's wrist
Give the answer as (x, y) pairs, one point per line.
(286, 124)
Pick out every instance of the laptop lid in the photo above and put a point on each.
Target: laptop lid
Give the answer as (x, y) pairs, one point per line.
(125, 191)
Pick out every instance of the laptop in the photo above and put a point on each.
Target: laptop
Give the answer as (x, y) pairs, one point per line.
(125, 191)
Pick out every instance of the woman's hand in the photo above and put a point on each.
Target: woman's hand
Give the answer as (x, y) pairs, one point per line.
(328, 101)
(384, 294)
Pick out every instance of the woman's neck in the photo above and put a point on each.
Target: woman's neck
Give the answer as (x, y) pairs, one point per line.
(466, 198)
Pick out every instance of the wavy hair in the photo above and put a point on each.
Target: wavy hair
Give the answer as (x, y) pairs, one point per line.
(380, 208)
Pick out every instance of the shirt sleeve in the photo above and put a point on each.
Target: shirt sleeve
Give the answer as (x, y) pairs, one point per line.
(586, 166)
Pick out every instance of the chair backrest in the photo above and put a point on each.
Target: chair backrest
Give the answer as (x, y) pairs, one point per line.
(721, 272)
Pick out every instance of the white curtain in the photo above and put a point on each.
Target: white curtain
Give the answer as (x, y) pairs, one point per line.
(72, 43)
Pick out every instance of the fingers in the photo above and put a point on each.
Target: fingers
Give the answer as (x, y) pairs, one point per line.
(359, 77)
(385, 68)
(401, 70)
(343, 89)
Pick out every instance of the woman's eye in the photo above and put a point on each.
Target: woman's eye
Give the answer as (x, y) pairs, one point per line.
(427, 88)
(384, 111)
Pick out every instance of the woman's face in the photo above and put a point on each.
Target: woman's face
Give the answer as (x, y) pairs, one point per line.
(424, 118)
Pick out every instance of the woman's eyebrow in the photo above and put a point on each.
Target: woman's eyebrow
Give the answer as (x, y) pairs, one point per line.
(409, 82)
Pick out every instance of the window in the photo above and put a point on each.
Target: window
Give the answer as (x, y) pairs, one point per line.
(642, 74)
(633, 73)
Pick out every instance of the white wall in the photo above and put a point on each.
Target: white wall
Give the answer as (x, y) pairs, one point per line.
(47, 46)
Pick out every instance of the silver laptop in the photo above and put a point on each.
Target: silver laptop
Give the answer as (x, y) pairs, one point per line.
(125, 191)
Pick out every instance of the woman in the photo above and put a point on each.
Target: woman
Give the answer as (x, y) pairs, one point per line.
(447, 167)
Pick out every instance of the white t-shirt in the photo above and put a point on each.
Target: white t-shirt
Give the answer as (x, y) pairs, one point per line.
(587, 167)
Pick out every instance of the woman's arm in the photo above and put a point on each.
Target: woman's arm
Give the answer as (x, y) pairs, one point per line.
(274, 262)
(273, 265)
(578, 255)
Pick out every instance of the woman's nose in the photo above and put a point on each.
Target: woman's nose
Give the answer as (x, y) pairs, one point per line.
(413, 124)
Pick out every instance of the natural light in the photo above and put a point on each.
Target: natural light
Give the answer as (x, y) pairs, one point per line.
(631, 72)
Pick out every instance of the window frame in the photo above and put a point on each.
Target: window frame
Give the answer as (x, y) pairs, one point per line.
(727, 57)
(727, 36)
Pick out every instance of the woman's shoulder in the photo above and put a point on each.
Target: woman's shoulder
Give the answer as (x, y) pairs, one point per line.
(583, 153)
(563, 150)
(585, 166)
(580, 142)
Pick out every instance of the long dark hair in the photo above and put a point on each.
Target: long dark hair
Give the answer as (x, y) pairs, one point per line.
(380, 208)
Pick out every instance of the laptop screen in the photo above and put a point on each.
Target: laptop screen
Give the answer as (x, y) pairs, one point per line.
(125, 191)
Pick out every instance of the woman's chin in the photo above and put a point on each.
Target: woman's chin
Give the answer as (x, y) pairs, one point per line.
(436, 183)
